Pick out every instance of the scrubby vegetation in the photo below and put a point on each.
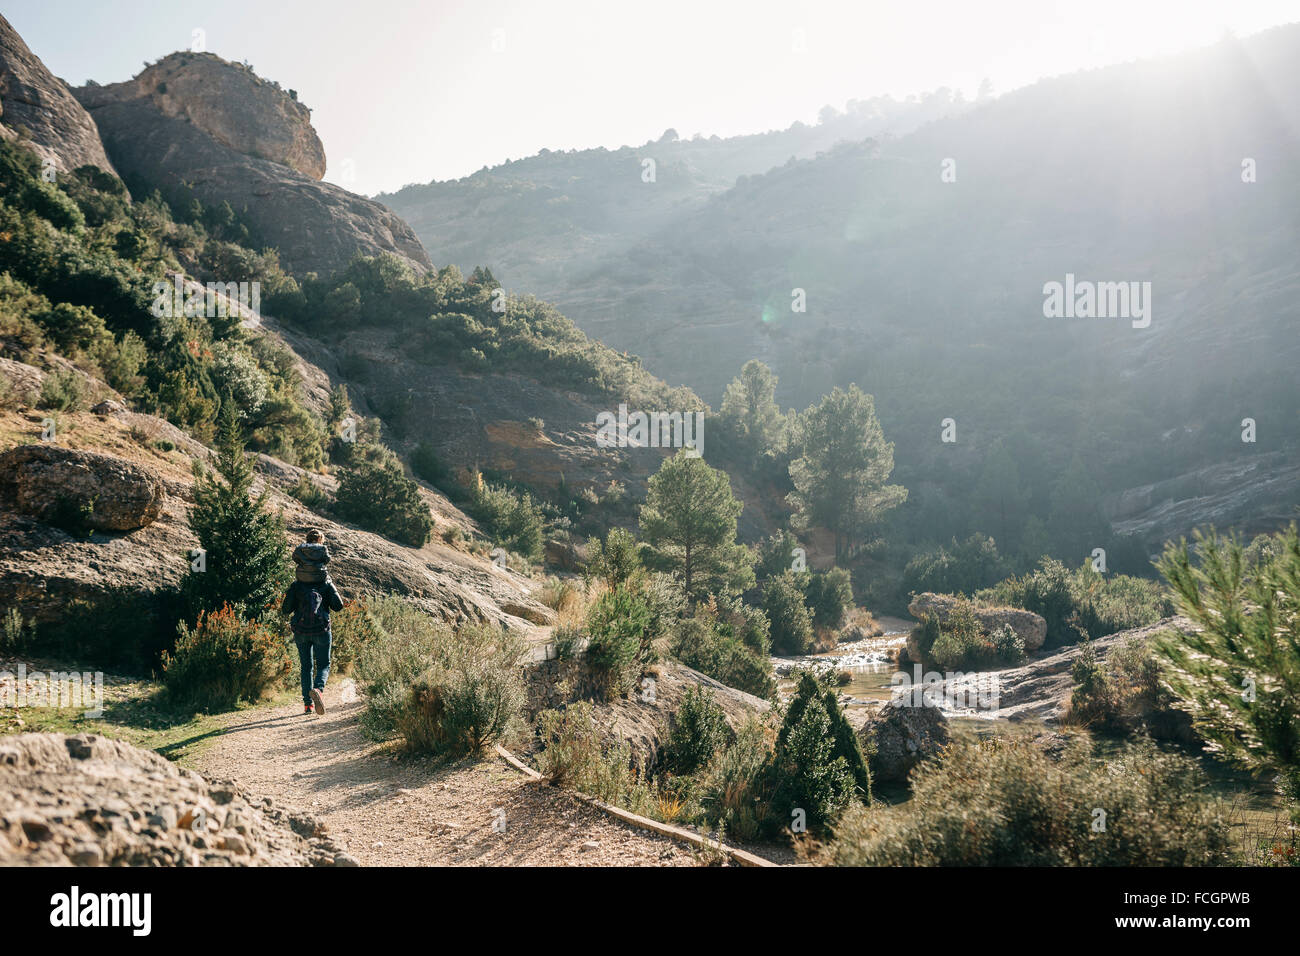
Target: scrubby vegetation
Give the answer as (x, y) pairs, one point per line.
(1082, 602)
(1005, 802)
(225, 659)
(444, 691)
(961, 644)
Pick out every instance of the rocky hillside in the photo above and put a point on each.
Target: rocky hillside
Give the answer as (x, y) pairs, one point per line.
(91, 801)
(137, 470)
(196, 126)
(38, 107)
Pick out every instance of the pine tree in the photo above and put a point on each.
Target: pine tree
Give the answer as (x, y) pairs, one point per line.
(839, 479)
(689, 522)
(1237, 672)
(749, 410)
(244, 545)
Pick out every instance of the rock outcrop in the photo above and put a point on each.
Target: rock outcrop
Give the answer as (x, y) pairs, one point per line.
(43, 568)
(1030, 627)
(903, 733)
(1041, 689)
(91, 801)
(36, 104)
(195, 124)
(43, 481)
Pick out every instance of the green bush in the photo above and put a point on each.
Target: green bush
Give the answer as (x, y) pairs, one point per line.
(699, 731)
(389, 661)
(734, 786)
(818, 765)
(427, 465)
(619, 628)
(471, 695)
(1010, 803)
(961, 567)
(377, 496)
(1082, 602)
(791, 626)
(703, 644)
(223, 660)
(62, 391)
(959, 644)
(510, 520)
(828, 597)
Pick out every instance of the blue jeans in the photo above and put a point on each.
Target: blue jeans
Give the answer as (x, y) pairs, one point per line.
(314, 673)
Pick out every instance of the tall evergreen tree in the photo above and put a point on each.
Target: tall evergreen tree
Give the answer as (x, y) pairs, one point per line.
(750, 411)
(243, 561)
(689, 522)
(1237, 669)
(839, 478)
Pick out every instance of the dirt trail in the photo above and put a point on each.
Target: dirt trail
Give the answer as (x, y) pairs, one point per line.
(389, 812)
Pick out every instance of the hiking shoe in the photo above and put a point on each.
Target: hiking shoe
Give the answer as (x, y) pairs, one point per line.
(307, 709)
(318, 700)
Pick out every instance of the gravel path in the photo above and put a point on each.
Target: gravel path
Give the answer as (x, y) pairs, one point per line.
(410, 812)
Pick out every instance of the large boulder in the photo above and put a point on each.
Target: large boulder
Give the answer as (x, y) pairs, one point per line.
(1031, 627)
(194, 125)
(43, 481)
(36, 104)
(904, 732)
(91, 801)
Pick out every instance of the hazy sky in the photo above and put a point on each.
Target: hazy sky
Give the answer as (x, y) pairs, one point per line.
(406, 92)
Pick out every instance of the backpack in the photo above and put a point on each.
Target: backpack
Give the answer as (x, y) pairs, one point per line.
(311, 614)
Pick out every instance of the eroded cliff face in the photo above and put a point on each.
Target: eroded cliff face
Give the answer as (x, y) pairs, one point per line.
(36, 105)
(228, 102)
(196, 125)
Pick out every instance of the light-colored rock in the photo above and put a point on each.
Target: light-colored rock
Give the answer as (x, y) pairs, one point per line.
(38, 480)
(36, 104)
(75, 801)
(1031, 627)
(903, 733)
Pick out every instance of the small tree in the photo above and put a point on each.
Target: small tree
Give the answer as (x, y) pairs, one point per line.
(615, 561)
(379, 497)
(243, 562)
(791, 626)
(749, 410)
(1238, 671)
(839, 477)
(689, 522)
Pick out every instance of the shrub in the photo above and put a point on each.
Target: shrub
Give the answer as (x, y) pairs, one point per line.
(511, 520)
(619, 629)
(377, 496)
(1009, 803)
(226, 658)
(427, 465)
(829, 597)
(734, 787)
(62, 391)
(388, 665)
(471, 695)
(818, 763)
(699, 643)
(1082, 602)
(791, 627)
(574, 756)
(699, 732)
(16, 633)
(353, 629)
(960, 645)
(615, 560)
(961, 567)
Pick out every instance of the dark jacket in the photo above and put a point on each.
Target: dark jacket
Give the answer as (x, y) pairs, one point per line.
(298, 592)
